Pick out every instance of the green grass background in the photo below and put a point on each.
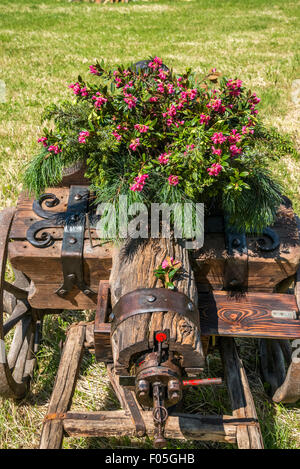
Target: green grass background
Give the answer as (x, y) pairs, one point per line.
(45, 44)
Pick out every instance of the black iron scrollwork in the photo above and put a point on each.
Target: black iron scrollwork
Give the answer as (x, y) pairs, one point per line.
(272, 236)
(73, 222)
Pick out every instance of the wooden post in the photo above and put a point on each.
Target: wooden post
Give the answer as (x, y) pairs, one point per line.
(248, 437)
(133, 268)
(52, 432)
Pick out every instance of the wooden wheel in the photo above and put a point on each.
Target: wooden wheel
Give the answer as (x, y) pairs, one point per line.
(20, 325)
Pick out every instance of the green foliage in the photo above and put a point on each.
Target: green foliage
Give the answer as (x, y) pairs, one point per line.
(259, 204)
(158, 137)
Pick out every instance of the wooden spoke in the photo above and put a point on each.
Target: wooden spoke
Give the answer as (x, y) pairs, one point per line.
(19, 312)
(19, 293)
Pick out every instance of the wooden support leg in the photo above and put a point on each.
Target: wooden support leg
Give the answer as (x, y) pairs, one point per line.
(52, 432)
(248, 437)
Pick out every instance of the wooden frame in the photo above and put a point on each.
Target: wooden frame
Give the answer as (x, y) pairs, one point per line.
(241, 428)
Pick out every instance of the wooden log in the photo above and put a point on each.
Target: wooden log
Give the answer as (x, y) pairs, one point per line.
(133, 268)
(179, 427)
(52, 432)
(248, 437)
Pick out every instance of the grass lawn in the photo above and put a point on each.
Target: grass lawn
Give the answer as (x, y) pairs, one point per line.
(45, 44)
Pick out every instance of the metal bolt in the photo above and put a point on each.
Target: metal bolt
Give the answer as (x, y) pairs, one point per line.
(72, 276)
(62, 292)
(87, 292)
(151, 298)
(190, 306)
(72, 240)
(74, 218)
(234, 282)
(111, 317)
(78, 196)
(236, 242)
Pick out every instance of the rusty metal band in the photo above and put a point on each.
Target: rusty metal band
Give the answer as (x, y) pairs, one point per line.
(151, 300)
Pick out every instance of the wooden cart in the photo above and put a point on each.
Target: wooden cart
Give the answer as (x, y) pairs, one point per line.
(240, 293)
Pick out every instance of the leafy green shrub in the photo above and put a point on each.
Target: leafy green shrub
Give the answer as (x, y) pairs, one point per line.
(155, 136)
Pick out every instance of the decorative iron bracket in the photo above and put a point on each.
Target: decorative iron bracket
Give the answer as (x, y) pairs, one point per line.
(73, 220)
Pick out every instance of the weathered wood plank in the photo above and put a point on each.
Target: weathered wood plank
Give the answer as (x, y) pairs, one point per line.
(52, 432)
(180, 426)
(248, 315)
(248, 437)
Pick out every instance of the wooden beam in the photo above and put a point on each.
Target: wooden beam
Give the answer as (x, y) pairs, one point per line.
(248, 315)
(248, 437)
(179, 426)
(52, 432)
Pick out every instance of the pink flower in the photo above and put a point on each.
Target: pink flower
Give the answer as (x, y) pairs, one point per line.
(204, 119)
(130, 101)
(118, 82)
(93, 70)
(99, 100)
(216, 151)
(218, 138)
(82, 136)
(192, 93)
(173, 180)
(139, 183)
(126, 73)
(178, 123)
(214, 169)
(170, 88)
(128, 85)
(172, 111)
(122, 127)
(134, 144)
(156, 63)
(160, 88)
(246, 130)
(141, 128)
(162, 74)
(55, 149)
(43, 140)
(234, 137)
(254, 99)
(234, 87)
(216, 105)
(153, 99)
(78, 90)
(116, 135)
(164, 158)
(165, 263)
(235, 150)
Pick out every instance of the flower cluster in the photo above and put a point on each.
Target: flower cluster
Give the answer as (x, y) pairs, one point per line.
(139, 183)
(188, 139)
(167, 271)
